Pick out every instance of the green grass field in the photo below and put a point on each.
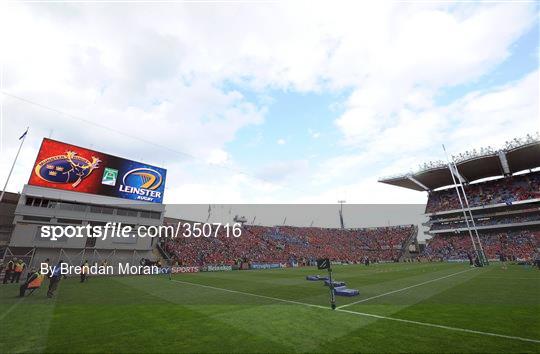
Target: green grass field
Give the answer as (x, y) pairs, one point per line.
(436, 307)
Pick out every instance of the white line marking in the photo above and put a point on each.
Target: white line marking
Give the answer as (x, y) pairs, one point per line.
(11, 308)
(441, 326)
(251, 294)
(402, 289)
(457, 329)
(507, 278)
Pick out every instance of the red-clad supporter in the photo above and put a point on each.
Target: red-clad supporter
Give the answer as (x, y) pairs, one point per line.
(506, 190)
(285, 244)
(512, 244)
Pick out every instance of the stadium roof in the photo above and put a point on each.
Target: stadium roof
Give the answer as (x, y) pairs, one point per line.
(517, 155)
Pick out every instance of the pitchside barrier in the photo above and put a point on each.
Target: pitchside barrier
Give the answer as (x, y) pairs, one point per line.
(225, 268)
(196, 269)
(268, 265)
(218, 268)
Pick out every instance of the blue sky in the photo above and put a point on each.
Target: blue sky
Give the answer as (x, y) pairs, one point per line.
(523, 59)
(304, 121)
(312, 108)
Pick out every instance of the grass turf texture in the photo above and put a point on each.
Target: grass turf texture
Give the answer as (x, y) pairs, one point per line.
(155, 314)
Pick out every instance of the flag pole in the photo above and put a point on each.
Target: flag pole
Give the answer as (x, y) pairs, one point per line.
(22, 138)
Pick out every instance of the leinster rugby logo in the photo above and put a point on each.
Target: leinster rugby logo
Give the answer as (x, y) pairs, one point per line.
(68, 168)
(142, 182)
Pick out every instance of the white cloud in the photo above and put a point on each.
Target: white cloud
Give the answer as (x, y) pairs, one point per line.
(314, 134)
(480, 119)
(163, 76)
(368, 191)
(282, 170)
(217, 185)
(494, 116)
(218, 157)
(426, 50)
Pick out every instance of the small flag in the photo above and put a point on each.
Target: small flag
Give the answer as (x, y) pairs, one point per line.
(323, 263)
(24, 134)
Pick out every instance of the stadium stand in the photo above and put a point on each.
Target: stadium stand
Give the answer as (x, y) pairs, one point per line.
(489, 220)
(503, 192)
(506, 190)
(288, 244)
(515, 245)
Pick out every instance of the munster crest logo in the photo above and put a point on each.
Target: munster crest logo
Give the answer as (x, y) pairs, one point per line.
(68, 168)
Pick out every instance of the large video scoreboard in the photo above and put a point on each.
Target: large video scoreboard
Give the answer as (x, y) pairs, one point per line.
(73, 168)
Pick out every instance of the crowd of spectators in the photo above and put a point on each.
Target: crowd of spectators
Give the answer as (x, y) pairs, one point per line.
(506, 190)
(288, 244)
(512, 244)
(488, 221)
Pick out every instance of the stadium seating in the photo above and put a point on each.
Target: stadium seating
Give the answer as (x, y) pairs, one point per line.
(505, 190)
(490, 221)
(287, 244)
(513, 244)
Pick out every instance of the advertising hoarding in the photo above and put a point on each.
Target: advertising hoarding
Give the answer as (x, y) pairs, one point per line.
(73, 168)
(176, 270)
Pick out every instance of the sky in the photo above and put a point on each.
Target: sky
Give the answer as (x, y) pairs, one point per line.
(269, 102)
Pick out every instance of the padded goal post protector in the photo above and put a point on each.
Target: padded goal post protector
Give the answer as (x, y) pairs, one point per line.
(316, 277)
(343, 291)
(334, 283)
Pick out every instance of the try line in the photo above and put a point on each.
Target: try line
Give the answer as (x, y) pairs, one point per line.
(426, 324)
